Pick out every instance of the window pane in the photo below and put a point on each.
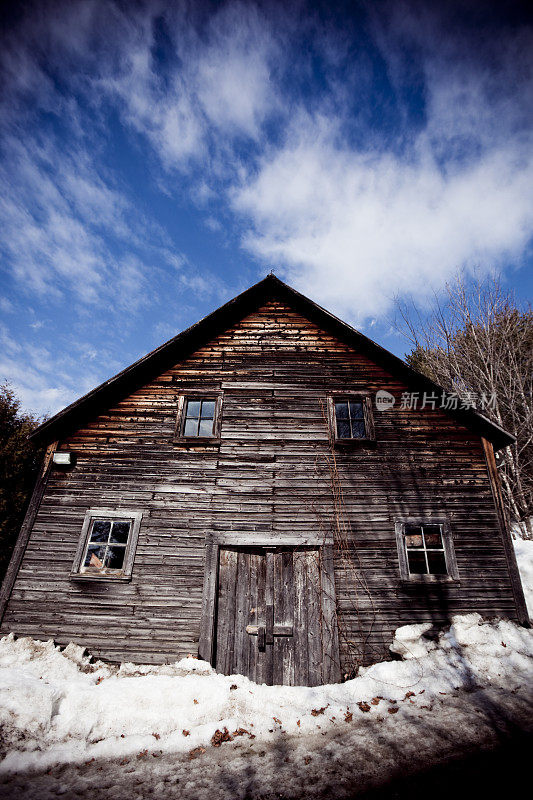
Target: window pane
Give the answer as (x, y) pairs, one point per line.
(356, 410)
(432, 539)
(120, 532)
(191, 427)
(414, 540)
(341, 410)
(100, 531)
(358, 429)
(115, 557)
(417, 562)
(432, 528)
(343, 429)
(193, 408)
(208, 409)
(413, 530)
(95, 556)
(206, 427)
(437, 563)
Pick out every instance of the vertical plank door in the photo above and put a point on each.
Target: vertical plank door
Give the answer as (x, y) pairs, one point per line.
(270, 623)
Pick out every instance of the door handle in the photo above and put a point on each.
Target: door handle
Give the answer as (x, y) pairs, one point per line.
(279, 630)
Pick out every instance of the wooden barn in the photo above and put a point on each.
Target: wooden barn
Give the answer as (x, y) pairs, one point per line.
(258, 492)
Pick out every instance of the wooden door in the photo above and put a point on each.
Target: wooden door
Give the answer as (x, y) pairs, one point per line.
(273, 617)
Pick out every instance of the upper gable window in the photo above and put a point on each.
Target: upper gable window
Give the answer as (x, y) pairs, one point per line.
(199, 418)
(351, 418)
(107, 544)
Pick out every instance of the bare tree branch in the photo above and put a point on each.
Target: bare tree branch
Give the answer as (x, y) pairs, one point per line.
(475, 339)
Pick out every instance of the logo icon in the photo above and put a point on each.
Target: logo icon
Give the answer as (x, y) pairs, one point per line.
(384, 400)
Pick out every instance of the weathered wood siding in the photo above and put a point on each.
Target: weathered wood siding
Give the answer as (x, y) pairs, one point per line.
(271, 473)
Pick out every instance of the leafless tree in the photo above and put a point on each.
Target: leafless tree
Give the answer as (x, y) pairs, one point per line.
(477, 342)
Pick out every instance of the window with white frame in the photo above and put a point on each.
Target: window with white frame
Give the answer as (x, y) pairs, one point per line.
(350, 418)
(199, 418)
(425, 550)
(107, 544)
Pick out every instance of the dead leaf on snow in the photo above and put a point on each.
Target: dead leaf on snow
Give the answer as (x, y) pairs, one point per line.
(221, 736)
(243, 732)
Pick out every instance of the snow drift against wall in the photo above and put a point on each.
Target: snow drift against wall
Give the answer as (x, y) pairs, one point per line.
(524, 556)
(180, 725)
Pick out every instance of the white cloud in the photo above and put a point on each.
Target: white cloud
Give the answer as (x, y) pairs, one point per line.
(29, 371)
(353, 229)
(66, 228)
(353, 225)
(216, 81)
(6, 305)
(233, 71)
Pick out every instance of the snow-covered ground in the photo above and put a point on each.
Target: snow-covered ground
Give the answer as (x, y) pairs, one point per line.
(188, 731)
(524, 556)
(75, 728)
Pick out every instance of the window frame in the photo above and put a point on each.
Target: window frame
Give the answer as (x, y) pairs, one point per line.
(92, 514)
(184, 397)
(452, 575)
(368, 417)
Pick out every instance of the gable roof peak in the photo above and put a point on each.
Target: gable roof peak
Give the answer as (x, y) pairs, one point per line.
(194, 337)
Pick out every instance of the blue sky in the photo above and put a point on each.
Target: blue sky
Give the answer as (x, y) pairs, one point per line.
(157, 158)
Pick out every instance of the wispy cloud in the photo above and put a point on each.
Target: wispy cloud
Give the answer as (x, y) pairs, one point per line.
(60, 218)
(211, 81)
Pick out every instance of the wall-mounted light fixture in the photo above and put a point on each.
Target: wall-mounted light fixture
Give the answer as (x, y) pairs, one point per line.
(63, 458)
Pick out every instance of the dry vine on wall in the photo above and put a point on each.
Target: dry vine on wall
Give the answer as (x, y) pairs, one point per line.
(357, 597)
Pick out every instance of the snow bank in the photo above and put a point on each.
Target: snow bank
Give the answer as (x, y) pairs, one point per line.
(524, 556)
(57, 707)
